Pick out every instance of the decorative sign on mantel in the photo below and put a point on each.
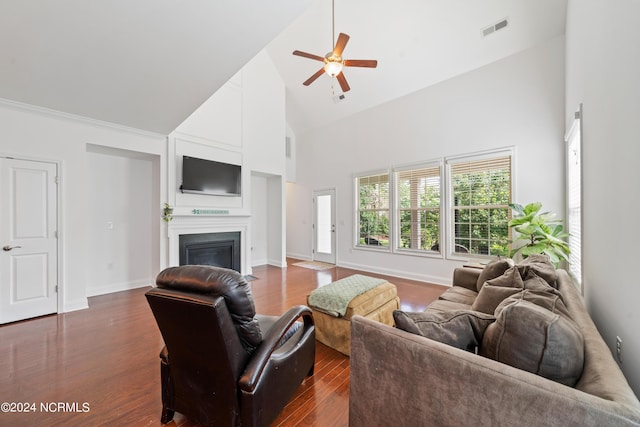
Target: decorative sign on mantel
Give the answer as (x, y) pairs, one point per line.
(210, 212)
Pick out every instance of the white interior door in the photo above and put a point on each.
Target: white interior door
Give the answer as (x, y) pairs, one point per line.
(28, 223)
(324, 226)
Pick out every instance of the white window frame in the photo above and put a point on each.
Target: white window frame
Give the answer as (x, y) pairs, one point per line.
(356, 216)
(574, 194)
(396, 208)
(449, 231)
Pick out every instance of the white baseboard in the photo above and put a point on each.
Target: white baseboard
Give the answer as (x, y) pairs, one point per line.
(261, 261)
(79, 304)
(444, 281)
(277, 263)
(301, 257)
(118, 287)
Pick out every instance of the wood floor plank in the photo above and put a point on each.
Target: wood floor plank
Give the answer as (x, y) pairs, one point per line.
(100, 366)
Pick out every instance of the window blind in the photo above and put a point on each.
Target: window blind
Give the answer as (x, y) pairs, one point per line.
(574, 201)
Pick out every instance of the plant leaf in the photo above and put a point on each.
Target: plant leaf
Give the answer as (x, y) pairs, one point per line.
(538, 248)
(532, 208)
(517, 208)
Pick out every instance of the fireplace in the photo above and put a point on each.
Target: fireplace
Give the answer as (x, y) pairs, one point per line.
(216, 249)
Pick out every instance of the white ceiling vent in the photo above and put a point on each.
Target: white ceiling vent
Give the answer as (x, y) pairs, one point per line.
(495, 27)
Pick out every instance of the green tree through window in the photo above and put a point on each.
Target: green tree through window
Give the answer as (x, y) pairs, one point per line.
(373, 210)
(418, 192)
(481, 193)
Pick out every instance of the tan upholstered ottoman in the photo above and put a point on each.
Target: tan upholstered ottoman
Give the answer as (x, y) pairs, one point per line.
(377, 304)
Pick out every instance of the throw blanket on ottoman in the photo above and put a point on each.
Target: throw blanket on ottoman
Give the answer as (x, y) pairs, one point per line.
(334, 298)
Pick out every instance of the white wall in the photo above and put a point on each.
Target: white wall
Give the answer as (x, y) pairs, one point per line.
(259, 220)
(253, 129)
(518, 101)
(603, 65)
(291, 163)
(263, 116)
(121, 222)
(277, 250)
(242, 123)
(268, 220)
(299, 220)
(29, 132)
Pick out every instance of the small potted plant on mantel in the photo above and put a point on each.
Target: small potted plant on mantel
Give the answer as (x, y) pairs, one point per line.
(538, 233)
(167, 213)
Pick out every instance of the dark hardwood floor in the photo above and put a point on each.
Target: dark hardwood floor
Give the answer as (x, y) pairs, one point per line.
(100, 366)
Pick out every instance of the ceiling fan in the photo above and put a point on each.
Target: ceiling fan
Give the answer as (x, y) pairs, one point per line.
(333, 61)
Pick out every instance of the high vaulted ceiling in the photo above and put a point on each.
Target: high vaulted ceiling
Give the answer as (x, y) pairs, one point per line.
(148, 64)
(417, 43)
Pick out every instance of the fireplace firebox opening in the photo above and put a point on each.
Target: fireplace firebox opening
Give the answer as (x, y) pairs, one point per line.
(216, 249)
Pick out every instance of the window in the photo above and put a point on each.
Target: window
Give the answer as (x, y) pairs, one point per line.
(418, 203)
(480, 193)
(448, 206)
(574, 199)
(373, 210)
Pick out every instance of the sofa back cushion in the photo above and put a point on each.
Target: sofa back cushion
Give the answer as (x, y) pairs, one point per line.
(495, 290)
(540, 265)
(491, 296)
(459, 328)
(530, 337)
(495, 268)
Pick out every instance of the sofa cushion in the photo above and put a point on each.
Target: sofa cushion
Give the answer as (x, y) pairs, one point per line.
(460, 295)
(541, 266)
(494, 291)
(460, 328)
(444, 305)
(536, 283)
(550, 299)
(509, 279)
(530, 337)
(491, 296)
(492, 270)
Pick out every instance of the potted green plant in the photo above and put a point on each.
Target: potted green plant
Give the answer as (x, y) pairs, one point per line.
(538, 233)
(167, 212)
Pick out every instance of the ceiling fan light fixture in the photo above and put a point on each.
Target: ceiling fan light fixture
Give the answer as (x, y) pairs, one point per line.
(333, 67)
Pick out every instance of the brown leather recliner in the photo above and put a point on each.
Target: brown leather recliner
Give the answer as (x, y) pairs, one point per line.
(222, 363)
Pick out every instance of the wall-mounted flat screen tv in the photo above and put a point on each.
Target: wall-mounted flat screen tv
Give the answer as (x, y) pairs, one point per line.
(200, 176)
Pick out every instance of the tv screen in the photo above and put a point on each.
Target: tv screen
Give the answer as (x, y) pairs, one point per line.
(201, 176)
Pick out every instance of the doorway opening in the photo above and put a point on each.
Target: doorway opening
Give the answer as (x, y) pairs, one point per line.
(324, 226)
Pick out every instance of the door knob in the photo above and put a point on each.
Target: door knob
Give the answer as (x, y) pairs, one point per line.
(7, 248)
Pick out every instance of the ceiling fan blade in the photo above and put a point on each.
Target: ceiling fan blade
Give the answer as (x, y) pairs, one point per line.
(308, 55)
(314, 77)
(340, 44)
(368, 63)
(343, 82)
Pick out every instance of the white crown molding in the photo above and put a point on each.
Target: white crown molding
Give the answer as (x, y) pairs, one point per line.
(76, 118)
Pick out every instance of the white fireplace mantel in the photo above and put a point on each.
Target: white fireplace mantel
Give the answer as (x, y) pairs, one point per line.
(210, 220)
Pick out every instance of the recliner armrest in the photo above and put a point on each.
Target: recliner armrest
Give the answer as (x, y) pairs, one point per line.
(271, 341)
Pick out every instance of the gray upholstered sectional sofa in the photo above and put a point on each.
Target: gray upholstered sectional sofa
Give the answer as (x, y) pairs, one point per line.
(400, 378)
